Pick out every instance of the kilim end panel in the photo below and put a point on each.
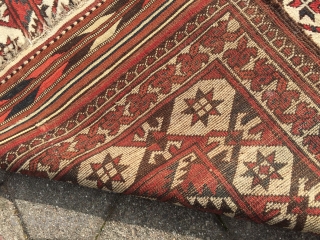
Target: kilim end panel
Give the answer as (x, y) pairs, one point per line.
(210, 104)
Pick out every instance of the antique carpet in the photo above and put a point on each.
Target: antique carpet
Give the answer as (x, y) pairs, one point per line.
(210, 104)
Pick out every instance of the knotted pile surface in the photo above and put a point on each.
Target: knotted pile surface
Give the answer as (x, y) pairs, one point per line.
(211, 104)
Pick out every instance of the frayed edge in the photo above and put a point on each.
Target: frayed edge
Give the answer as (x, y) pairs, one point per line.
(12, 51)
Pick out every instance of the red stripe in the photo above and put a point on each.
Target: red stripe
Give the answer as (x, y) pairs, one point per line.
(72, 74)
(55, 122)
(176, 25)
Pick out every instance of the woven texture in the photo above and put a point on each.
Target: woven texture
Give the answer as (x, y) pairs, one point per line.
(213, 105)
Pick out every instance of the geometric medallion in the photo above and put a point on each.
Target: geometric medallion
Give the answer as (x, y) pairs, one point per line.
(264, 170)
(113, 169)
(202, 108)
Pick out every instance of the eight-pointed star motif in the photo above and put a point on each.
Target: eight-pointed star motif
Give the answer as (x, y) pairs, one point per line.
(202, 106)
(263, 170)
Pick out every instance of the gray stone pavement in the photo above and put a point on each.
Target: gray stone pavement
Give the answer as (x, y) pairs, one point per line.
(32, 208)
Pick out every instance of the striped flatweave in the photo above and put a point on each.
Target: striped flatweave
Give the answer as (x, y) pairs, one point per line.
(211, 104)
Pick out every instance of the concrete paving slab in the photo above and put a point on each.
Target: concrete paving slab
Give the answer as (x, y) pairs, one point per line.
(56, 210)
(49, 222)
(10, 225)
(136, 218)
(245, 230)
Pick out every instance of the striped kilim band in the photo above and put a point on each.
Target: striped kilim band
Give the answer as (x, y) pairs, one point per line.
(211, 104)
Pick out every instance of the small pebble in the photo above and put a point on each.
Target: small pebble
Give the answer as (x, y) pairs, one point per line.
(134, 232)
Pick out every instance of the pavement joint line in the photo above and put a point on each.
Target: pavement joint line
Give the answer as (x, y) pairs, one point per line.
(109, 213)
(100, 230)
(13, 200)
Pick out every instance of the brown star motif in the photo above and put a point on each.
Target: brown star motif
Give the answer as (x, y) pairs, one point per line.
(263, 170)
(202, 106)
(107, 172)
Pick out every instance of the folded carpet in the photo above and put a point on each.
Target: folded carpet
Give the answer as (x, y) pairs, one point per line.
(210, 104)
